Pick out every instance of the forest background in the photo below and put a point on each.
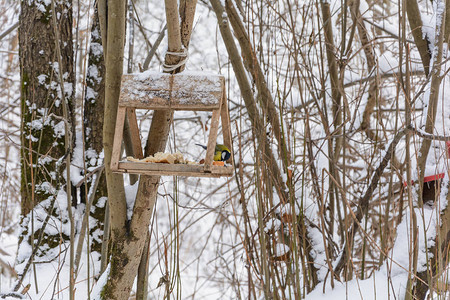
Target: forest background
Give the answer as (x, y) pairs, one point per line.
(339, 122)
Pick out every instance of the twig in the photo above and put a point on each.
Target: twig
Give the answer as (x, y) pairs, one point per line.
(393, 35)
(13, 295)
(152, 52)
(90, 174)
(141, 28)
(68, 148)
(382, 76)
(428, 136)
(9, 30)
(87, 210)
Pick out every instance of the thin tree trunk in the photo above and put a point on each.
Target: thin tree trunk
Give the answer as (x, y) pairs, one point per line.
(94, 103)
(250, 103)
(422, 43)
(436, 79)
(114, 65)
(116, 193)
(439, 253)
(332, 69)
(371, 65)
(335, 142)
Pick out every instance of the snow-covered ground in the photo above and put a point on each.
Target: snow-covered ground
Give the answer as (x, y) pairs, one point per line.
(196, 231)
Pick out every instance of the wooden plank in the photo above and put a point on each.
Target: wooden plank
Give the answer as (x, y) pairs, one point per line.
(172, 169)
(118, 137)
(134, 131)
(212, 139)
(155, 103)
(151, 90)
(169, 173)
(226, 127)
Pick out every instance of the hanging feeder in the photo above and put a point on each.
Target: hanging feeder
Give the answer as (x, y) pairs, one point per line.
(160, 91)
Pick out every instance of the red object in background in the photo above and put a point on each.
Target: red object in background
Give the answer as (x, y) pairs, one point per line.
(433, 177)
(427, 179)
(437, 176)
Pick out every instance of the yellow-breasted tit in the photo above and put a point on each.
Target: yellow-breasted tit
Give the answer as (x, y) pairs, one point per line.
(221, 152)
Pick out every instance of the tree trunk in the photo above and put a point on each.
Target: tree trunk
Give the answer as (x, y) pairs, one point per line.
(436, 79)
(116, 192)
(43, 125)
(422, 42)
(439, 252)
(94, 103)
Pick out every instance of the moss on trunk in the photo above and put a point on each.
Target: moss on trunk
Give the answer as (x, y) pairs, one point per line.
(42, 129)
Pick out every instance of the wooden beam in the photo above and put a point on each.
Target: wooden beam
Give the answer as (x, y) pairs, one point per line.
(173, 169)
(226, 128)
(134, 132)
(152, 90)
(212, 139)
(118, 137)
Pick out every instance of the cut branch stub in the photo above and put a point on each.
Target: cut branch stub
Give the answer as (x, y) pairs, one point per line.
(160, 91)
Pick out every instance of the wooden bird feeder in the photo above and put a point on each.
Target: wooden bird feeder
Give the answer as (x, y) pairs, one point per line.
(160, 91)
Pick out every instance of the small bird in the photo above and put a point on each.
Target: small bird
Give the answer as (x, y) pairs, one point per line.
(221, 153)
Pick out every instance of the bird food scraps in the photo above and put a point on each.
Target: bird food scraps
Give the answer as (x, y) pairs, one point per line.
(215, 163)
(164, 158)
